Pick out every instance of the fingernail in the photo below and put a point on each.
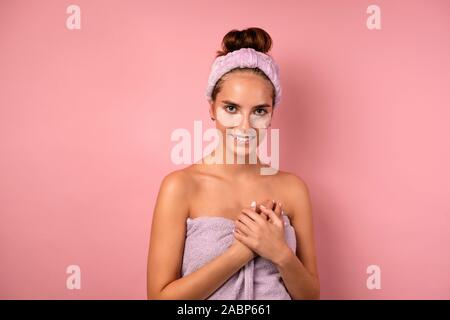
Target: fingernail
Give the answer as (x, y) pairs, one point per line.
(262, 206)
(253, 204)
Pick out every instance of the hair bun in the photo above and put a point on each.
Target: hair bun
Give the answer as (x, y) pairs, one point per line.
(255, 38)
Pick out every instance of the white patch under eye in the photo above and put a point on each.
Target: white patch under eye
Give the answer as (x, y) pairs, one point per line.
(260, 121)
(228, 119)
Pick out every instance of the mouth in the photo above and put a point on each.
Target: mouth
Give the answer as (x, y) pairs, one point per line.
(241, 139)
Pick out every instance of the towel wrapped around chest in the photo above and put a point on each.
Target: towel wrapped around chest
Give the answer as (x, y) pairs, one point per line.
(208, 237)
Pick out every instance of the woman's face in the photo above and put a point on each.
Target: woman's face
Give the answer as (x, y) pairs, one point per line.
(242, 108)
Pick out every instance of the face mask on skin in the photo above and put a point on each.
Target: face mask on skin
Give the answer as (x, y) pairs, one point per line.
(228, 119)
(260, 121)
(234, 120)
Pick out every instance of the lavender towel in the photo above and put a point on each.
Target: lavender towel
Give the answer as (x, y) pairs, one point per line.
(208, 237)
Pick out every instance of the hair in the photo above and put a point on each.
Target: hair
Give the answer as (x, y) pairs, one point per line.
(255, 38)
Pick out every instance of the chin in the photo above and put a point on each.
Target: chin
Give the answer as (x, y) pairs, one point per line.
(243, 150)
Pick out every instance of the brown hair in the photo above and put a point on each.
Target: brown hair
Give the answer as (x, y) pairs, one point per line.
(255, 38)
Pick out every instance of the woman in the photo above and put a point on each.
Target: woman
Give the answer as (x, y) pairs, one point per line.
(221, 229)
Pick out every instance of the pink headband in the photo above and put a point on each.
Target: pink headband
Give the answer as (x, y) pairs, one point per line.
(245, 58)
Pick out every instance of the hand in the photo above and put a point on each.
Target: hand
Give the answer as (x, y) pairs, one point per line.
(256, 207)
(249, 253)
(261, 235)
(270, 204)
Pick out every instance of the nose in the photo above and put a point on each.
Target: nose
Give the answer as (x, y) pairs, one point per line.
(245, 123)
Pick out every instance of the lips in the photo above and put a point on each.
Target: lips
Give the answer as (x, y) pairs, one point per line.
(241, 139)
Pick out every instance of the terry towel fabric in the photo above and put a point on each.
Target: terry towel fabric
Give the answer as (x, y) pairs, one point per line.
(208, 237)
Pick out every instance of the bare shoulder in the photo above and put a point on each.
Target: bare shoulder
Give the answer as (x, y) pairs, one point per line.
(176, 182)
(174, 194)
(291, 182)
(295, 193)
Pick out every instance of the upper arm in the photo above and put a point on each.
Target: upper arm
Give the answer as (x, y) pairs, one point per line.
(302, 221)
(167, 233)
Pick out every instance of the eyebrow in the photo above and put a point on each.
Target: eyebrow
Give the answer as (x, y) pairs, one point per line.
(264, 105)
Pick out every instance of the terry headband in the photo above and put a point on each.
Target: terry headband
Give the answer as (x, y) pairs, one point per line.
(245, 58)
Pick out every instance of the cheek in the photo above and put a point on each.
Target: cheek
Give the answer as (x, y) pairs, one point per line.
(260, 122)
(227, 119)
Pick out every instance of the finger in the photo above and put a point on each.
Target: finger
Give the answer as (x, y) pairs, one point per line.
(272, 206)
(257, 211)
(256, 217)
(256, 208)
(272, 215)
(249, 208)
(278, 209)
(246, 240)
(245, 219)
(264, 216)
(242, 234)
(242, 238)
(241, 227)
(266, 203)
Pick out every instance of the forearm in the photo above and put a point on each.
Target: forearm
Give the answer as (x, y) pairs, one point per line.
(201, 283)
(300, 283)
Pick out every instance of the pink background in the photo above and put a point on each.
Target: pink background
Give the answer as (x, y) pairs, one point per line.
(86, 117)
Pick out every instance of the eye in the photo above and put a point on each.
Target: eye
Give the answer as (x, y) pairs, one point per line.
(230, 108)
(260, 111)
